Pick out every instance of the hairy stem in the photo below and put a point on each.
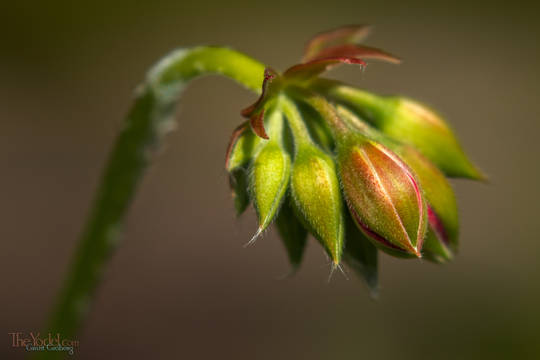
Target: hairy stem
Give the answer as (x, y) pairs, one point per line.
(371, 105)
(147, 122)
(295, 121)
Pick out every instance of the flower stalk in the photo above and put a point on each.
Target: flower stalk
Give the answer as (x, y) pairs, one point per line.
(148, 121)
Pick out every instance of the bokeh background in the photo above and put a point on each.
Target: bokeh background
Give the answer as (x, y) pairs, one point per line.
(182, 285)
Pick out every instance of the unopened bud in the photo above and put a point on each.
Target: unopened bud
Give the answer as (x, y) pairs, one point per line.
(241, 148)
(383, 196)
(418, 125)
(410, 122)
(442, 237)
(315, 189)
(270, 173)
(239, 155)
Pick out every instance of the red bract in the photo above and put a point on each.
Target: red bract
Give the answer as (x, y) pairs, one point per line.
(352, 34)
(325, 51)
(357, 51)
(255, 112)
(316, 67)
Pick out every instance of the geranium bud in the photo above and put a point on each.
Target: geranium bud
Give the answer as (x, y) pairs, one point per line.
(436, 248)
(416, 124)
(315, 189)
(384, 198)
(270, 173)
(410, 122)
(442, 237)
(241, 148)
(239, 155)
(292, 233)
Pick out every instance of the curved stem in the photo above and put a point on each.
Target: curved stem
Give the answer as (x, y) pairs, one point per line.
(148, 121)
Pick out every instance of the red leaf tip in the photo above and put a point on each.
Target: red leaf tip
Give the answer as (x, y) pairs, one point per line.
(257, 124)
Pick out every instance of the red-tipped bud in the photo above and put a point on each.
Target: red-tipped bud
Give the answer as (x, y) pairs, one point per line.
(384, 197)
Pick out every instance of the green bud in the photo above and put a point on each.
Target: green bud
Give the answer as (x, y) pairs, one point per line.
(292, 233)
(240, 153)
(436, 250)
(241, 148)
(416, 124)
(410, 122)
(361, 255)
(270, 173)
(442, 235)
(315, 189)
(383, 195)
(314, 185)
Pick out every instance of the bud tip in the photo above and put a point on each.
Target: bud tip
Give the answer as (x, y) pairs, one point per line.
(254, 238)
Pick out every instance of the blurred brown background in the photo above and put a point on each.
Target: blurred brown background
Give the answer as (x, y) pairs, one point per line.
(181, 285)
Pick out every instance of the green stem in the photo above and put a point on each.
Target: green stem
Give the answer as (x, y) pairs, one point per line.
(323, 107)
(295, 121)
(372, 106)
(148, 121)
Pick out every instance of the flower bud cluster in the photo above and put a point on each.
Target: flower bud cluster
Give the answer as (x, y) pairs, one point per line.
(358, 171)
